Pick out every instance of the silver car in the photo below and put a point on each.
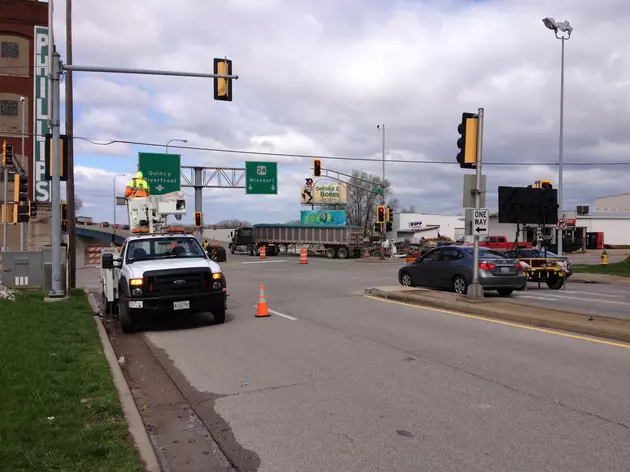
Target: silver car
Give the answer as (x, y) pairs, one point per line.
(451, 268)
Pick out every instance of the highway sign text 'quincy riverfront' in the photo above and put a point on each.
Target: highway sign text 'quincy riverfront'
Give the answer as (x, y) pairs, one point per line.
(161, 171)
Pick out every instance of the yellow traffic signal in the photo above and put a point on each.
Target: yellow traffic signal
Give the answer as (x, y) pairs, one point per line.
(7, 154)
(388, 214)
(64, 211)
(467, 143)
(223, 87)
(317, 168)
(380, 214)
(4, 153)
(198, 220)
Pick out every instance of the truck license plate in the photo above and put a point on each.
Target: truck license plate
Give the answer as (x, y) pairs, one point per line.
(181, 305)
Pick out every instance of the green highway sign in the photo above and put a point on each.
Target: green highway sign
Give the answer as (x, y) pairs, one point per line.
(161, 171)
(261, 178)
(377, 191)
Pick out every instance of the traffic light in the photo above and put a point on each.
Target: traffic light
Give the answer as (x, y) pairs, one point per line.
(7, 154)
(198, 220)
(11, 215)
(32, 209)
(22, 212)
(20, 189)
(223, 87)
(63, 158)
(380, 214)
(388, 226)
(388, 214)
(467, 142)
(317, 168)
(378, 228)
(546, 184)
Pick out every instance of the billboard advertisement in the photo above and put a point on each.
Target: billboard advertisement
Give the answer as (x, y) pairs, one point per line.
(323, 193)
(41, 187)
(323, 217)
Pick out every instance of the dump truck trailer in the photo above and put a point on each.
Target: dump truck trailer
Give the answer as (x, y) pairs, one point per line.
(336, 241)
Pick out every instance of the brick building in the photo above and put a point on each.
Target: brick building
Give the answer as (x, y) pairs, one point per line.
(23, 96)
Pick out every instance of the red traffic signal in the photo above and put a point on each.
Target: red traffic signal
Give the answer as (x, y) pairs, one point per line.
(380, 214)
(198, 220)
(317, 168)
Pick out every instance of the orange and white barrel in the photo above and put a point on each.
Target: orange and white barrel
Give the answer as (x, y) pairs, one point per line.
(303, 256)
(263, 252)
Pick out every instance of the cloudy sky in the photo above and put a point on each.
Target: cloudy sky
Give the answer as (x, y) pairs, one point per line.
(316, 77)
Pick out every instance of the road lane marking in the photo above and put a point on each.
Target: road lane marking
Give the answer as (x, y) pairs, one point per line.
(262, 262)
(537, 298)
(277, 313)
(593, 294)
(505, 323)
(591, 300)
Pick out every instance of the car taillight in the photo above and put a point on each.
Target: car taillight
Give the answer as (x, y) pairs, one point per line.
(518, 265)
(486, 266)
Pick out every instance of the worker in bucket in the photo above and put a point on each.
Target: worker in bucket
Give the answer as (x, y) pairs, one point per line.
(137, 187)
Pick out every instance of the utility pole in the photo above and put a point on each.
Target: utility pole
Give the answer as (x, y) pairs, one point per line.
(23, 111)
(475, 291)
(70, 197)
(383, 225)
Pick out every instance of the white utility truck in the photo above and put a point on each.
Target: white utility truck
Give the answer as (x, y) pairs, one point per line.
(160, 268)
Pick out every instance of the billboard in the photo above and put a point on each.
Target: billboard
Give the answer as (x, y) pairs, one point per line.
(323, 193)
(41, 187)
(323, 217)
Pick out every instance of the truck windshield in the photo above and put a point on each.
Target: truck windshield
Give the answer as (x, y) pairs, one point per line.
(246, 232)
(163, 248)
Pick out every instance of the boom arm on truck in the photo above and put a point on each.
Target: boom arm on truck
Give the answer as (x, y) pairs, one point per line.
(149, 214)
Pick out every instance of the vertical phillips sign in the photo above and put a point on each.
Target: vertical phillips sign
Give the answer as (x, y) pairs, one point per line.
(41, 187)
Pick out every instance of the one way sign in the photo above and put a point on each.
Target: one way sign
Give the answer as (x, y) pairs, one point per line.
(477, 221)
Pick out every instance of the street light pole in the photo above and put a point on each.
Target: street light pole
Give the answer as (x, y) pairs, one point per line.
(383, 225)
(178, 140)
(562, 27)
(114, 194)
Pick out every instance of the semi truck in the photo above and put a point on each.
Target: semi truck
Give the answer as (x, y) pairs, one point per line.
(336, 241)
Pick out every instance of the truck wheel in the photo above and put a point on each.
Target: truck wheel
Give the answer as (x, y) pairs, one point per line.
(126, 318)
(342, 252)
(331, 252)
(232, 249)
(219, 315)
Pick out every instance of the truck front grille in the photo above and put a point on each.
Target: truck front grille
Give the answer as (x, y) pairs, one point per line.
(181, 281)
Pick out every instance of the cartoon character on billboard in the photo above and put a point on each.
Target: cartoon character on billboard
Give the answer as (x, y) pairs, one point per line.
(330, 217)
(308, 191)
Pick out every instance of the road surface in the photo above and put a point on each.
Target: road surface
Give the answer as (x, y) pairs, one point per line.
(337, 381)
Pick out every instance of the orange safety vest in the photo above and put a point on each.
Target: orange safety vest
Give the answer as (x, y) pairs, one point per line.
(137, 191)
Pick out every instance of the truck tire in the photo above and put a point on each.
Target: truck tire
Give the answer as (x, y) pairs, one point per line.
(342, 252)
(126, 318)
(331, 252)
(232, 249)
(219, 315)
(555, 283)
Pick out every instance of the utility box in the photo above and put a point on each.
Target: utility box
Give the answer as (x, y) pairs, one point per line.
(22, 269)
(46, 266)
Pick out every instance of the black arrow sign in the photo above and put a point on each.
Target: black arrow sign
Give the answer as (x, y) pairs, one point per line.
(479, 230)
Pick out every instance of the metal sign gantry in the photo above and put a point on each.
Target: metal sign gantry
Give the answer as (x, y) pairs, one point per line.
(213, 177)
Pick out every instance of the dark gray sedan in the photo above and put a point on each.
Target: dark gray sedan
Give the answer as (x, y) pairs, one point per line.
(451, 268)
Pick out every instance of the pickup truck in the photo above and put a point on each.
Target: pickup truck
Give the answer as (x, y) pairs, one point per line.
(501, 243)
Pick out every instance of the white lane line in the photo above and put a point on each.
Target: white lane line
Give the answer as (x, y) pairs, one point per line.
(277, 313)
(593, 294)
(262, 262)
(611, 302)
(537, 298)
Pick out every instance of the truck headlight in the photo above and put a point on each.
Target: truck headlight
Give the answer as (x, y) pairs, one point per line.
(136, 292)
(136, 287)
(216, 285)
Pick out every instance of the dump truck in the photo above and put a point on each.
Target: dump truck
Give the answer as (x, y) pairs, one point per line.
(340, 241)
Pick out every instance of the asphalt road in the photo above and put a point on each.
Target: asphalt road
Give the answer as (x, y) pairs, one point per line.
(336, 381)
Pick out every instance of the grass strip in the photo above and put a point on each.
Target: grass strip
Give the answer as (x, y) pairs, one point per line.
(617, 268)
(59, 407)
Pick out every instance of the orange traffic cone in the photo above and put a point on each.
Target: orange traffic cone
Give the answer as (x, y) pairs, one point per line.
(262, 311)
(263, 252)
(303, 256)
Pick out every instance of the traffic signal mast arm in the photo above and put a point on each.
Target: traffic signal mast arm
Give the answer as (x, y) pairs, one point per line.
(336, 177)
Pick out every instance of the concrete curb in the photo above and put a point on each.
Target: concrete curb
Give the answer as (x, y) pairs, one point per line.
(130, 410)
(612, 328)
(601, 279)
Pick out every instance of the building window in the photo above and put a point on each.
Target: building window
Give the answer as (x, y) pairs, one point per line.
(9, 50)
(8, 108)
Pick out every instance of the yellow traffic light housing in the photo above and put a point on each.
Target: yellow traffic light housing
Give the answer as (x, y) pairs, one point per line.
(467, 142)
(223, 87)
(317, 168)
(380, 214)
(198, 220)
(388, 215)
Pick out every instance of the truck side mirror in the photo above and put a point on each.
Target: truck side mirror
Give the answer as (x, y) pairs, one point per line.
(107, 261)
(231, 234)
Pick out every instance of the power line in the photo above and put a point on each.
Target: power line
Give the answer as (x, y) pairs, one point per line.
(335, 158)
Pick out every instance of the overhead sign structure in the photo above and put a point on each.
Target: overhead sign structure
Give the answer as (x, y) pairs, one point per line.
(261, 178)
(477, 221)
(161, 171)
(324, 193)
(41, 187)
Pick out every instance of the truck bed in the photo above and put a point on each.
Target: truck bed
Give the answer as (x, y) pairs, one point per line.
(308, 234)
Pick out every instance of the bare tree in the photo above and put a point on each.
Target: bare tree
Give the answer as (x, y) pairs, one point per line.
(78, 204)
(361, 210)
(230, 224)
(410, 209)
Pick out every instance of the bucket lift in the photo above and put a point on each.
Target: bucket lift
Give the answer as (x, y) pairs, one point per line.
(149, 214)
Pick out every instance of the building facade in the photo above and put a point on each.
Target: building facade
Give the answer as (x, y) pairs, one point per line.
(24, 87)
(415, 226)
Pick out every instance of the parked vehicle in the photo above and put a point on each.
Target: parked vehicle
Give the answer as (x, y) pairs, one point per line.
(501, 243)
(84, 220)
(105, 224)
(544, 266)
(541, 253)
(337, 241)
(451, 268)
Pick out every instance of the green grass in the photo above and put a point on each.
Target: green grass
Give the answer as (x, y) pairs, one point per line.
(59, 407)
(618, 268)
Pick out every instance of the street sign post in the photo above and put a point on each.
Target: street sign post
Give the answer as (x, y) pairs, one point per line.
(477, 221)
(470, 184)
(161, 171)
(261, 178)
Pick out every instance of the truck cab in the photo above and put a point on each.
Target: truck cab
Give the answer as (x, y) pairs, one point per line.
(169, 273)
(243, 236)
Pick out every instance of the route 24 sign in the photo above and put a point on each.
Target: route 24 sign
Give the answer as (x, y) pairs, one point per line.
(477, 221)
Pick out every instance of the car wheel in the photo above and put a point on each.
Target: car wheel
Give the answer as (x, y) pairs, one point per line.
(406, 280)
(126, 318)
(460, 285)
(505, 292)
(555, 282)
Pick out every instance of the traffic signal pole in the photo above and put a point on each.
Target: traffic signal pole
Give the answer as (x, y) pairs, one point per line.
(475, 291)
(383, 234)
